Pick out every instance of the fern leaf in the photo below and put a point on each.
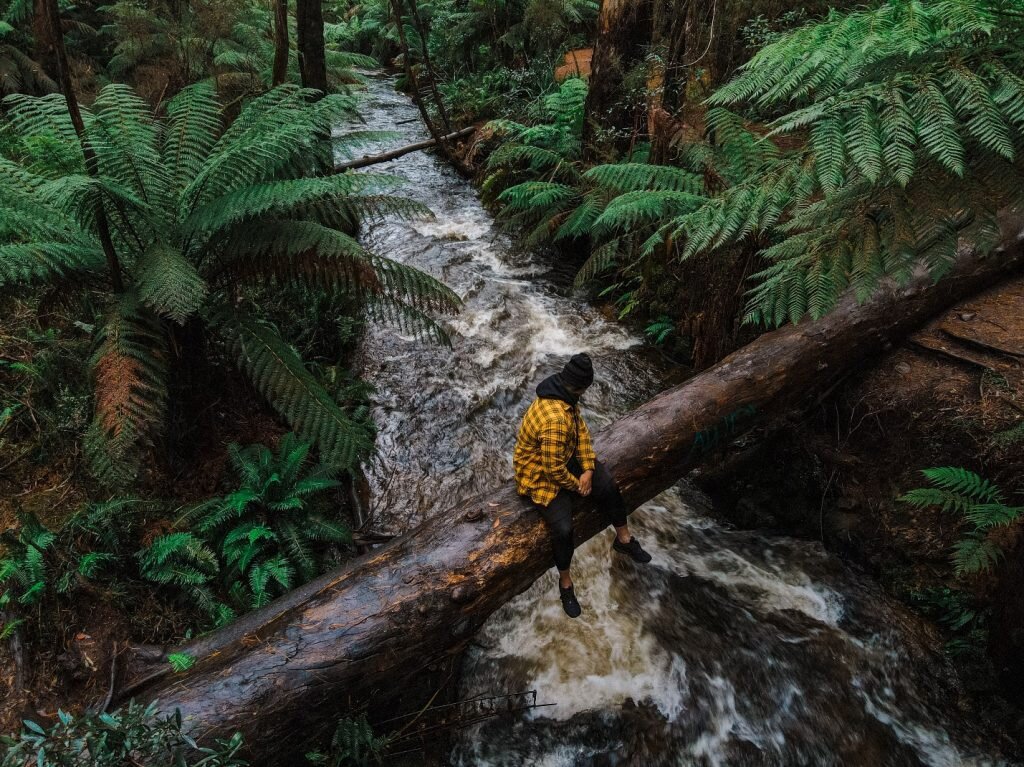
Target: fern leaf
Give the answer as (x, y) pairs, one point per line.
(130, 368)
(193, 127)
(168, 284)
(279, 375)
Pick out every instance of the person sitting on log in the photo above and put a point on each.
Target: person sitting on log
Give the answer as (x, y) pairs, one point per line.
(555, 463)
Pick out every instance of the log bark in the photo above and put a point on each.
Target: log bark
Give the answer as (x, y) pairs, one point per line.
(309, 23)
(358, 633)
(392, 154)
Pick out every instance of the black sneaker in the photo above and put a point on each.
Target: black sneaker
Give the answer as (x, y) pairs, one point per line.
(633, 550)
(569, 604)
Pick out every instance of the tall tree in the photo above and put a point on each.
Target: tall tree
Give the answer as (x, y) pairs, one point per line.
(309, 20)
(280, 42)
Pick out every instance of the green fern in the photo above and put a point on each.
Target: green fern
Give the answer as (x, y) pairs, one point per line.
(912, 116)
(183, 561)
(273, 529)
(981, 505)
(353, 744)
(25, 571)
(180, 661)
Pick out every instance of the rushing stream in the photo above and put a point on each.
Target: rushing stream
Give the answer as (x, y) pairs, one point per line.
(731, 648)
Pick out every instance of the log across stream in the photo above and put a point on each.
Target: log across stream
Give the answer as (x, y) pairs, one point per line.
(731, 648)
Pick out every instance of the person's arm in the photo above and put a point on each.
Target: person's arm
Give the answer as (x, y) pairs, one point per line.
(552, 450)
(585, 448)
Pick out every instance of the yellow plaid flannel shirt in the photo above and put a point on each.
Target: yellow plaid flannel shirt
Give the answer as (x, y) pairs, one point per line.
(552, 432)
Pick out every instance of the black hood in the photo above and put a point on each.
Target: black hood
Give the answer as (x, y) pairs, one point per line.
(553, 388)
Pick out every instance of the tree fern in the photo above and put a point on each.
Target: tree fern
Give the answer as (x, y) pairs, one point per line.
(897, 103)
(199, 210)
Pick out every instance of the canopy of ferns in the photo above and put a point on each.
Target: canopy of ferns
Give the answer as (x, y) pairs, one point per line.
(197, 212)
(858, 147)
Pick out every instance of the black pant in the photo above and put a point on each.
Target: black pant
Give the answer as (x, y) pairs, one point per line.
(558, 513)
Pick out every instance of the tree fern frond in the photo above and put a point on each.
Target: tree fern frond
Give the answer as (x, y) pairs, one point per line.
(601, 259)
(169, 284)
(408, 319)
(976, 555)
(632, 209)
(635, 177)
(277, 199)
(40, 261)
(279, 375)
(130, 368)
(960, 480)
(42, 116)
(194, 124)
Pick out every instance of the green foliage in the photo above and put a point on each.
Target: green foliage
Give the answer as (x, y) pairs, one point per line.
(180, 661)
(483, 52)
(19, 73)
(171, 45)
(354, 744)
(856, 148)
(979, 503)
(659, 330)
(39, 562)
(242, 550)
(908, 117)
(199, 213)
(133, 735)
(24, 570)
(956, 611)
(185, 562)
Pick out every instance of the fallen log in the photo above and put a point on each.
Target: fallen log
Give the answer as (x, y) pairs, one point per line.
(373, 159)
(279, 674)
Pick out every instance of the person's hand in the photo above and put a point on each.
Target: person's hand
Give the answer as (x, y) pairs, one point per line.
(586, 482)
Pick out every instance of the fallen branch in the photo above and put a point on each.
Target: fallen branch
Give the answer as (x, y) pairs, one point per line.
(362, 162)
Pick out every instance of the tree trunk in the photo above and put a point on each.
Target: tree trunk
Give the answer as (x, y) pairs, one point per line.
(359, 633)
(53, 24)
(43, 44)
(309, 21)
(280, 42)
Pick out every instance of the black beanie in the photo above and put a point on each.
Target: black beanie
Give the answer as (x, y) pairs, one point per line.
(579, 372)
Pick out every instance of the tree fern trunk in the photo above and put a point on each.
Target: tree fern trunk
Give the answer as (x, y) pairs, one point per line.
(280, 42)
(53, 23)
(309, 21)
(359, 633)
